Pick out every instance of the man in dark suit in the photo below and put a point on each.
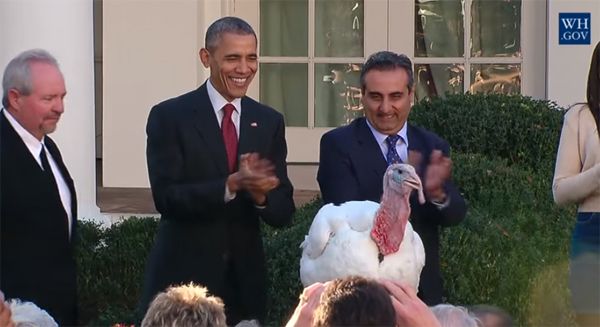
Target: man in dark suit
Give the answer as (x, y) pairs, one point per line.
(37, 196)
(210, 197)
(354, 158)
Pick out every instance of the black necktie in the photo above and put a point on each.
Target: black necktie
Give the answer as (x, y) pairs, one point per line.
(46, 167)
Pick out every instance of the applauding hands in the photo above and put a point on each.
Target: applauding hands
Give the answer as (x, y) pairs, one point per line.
(255, 175)
(410, 310)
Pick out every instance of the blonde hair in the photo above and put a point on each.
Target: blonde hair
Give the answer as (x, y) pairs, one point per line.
(185, 305)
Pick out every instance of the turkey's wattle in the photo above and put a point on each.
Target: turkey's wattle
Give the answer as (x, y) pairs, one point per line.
(394, 211)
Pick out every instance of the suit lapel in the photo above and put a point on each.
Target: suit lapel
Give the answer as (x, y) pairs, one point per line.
(207, 125)
(368, 148)
(249, 127)
(13, 144)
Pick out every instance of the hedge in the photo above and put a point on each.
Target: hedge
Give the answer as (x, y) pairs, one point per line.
(519, 129)
(111, 265)
(511, 250)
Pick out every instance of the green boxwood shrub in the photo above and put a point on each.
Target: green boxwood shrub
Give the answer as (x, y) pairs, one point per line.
(513, 233)
(520, 129)
(111, 265)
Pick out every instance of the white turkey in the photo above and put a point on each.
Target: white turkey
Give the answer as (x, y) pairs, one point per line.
(366, 238)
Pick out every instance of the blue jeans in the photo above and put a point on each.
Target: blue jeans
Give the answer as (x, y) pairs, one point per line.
(584, 278)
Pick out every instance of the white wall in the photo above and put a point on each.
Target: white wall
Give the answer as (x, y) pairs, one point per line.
(150, 54)
(568, 65)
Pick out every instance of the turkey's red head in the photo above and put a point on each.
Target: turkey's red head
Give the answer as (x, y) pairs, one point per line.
(390, 221)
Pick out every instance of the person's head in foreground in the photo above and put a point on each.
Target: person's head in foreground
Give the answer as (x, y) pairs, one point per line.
(454, 316)
(185, 305)
(27, 314)
(491, 316)
(355, 301)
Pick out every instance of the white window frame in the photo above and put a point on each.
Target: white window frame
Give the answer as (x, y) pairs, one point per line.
(533, 44)
(389, 25)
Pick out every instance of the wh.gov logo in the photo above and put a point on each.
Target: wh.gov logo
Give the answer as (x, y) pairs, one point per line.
(574, 28)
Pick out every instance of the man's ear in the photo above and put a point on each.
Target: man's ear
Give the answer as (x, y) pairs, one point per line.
(13, 99)
(204, 57)
(411, 94)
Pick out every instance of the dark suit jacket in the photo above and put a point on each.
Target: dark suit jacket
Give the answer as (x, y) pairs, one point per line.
(351, 167)
(200, 237)
(36, 253)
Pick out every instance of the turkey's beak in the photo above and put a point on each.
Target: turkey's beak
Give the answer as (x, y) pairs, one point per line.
(414, 182)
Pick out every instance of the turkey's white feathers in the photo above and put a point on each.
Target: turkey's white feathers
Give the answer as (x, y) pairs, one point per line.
(339, 241)
(405, 264)
(339, 244)
(355, 215)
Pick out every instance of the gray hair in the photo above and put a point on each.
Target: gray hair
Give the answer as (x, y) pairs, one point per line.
(484, 312)
(454, 316)
(387, 60)
(27, 314)
(224, 25)
(17, 74)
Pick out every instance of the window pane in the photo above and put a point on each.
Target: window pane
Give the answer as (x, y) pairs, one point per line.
(279, 20)
(337, 94)
(285, 88)
(339, 26)
(439, 30)
(496, 28)
(438, 79)
(496, 78)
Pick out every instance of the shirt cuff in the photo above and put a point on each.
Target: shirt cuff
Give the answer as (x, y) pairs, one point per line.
(228, 195)
(441, 205)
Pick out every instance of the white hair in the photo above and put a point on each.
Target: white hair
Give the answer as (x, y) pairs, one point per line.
(248, 323)
(454, 316)
(27, 314)
(17, 74)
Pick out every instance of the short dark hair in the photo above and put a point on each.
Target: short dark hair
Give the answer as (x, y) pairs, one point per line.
(355, 301)
(228, 24)
(387, 60)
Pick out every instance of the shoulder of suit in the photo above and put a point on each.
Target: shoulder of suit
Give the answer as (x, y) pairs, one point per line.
(345, 131)
(176, 102)
(425, 133)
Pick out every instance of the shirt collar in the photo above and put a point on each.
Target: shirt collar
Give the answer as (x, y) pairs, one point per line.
(380, 137)
(218, 101)
(32, 143)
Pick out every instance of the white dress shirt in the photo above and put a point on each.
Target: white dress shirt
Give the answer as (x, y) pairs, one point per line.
(401, 145)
